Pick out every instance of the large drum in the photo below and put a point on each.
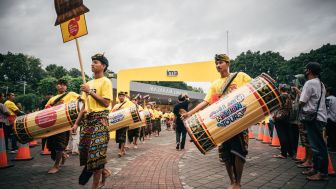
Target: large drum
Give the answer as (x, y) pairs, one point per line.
(233, 113)
(145, 119)
(124, 118)
(47, 122)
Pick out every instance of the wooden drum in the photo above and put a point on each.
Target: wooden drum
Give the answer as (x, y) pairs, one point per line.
(145, 119)
(47, 122)
(233, 113)
(123, 118)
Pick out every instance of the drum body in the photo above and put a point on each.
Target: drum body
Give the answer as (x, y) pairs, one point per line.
(124, 118)
(145, 119)
(233, 113)
(47, 122)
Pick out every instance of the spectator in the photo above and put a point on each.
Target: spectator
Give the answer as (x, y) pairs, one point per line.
(13, 111)
(179, 109)
(331, 125)
(314, 116)
(3, 117)
(282, 125)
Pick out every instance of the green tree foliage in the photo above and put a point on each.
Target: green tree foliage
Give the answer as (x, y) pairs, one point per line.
(56, 71)
(255, 63)
(272, 63)
(47, 85)
(29, 101)
(16, 68)
(74, 72)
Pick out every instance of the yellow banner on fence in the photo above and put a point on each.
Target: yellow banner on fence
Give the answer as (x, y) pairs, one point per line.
(74, 28)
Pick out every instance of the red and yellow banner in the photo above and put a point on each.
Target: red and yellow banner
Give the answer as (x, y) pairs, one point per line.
(74, 28)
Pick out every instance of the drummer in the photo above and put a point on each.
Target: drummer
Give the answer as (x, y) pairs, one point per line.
(120, 136)
(57, 143)
(233, 151)
(134, 135)
(94, 134)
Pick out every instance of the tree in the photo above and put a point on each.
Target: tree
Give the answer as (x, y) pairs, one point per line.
(16, 68)
(47, 85)
(74, 72)
(29, 101)
(254, 63)
(56, 71)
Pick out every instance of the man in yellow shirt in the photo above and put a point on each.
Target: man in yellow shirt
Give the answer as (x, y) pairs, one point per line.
(13, 112)
(97, 95)
(133, 134)
(57, 143)
(233, 151)
(120, 137)
(150, 126)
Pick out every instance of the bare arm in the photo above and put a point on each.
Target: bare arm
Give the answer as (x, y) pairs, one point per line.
(79, 118)
(199, 107)
(102, 101)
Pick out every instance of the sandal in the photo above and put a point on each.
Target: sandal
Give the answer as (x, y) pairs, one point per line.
(304, 166)
(279, 156)
(309, 172)
(317, 177)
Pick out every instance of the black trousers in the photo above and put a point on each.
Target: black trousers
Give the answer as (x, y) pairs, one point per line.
(331, 133)
(283, 128)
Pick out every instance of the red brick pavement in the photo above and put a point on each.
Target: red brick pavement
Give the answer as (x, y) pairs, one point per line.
(157, 168)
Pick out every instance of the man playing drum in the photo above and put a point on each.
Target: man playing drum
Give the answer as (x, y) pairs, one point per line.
(120, 136)
(94, 135)
(57, 143)
(233, 151)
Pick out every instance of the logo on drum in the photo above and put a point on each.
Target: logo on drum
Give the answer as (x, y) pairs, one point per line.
(46, 118)
(227, 114)
(115, 118)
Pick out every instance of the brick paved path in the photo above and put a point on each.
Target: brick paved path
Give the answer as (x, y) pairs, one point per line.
(157, 167)
(156, 164)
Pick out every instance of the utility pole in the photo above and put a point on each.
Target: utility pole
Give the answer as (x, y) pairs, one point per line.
(24, 87)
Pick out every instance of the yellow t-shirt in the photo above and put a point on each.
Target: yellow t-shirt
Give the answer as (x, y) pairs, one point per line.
(11, 107)
(66, 99)
(127, 104)
(152, 113)
(103, 88)
(171, 115)
(140, 108)
(214, 93)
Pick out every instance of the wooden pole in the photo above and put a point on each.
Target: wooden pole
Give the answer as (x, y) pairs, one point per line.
(80, 61)
(82, 71)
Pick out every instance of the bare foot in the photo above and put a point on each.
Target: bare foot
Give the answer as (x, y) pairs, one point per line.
(64, 157)
(53, 170)
(236, 186)
(231, 186)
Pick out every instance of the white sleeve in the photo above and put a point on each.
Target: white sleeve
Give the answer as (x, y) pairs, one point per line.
(306, 93)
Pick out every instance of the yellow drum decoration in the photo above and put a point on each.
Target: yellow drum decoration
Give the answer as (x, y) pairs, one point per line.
(47, 122)
(233, 113)
(145, 119)
(123, 118)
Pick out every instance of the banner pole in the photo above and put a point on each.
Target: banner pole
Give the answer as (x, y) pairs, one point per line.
(82, 71)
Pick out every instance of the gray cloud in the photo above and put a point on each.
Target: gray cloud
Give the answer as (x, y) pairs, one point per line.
(149, 32)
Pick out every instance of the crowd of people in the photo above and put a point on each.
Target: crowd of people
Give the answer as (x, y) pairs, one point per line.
(307, 115)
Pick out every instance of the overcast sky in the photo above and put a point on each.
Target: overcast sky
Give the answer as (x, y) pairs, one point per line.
(141, 33)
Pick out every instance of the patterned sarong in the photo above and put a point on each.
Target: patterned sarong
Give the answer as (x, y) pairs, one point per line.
(94, 138)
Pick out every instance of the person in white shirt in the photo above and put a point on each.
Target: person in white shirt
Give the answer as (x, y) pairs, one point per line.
(331, 125)
(312, 100)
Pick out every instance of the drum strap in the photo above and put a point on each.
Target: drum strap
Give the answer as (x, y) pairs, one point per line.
(228, 81)
(58, 99)
(121, 105)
